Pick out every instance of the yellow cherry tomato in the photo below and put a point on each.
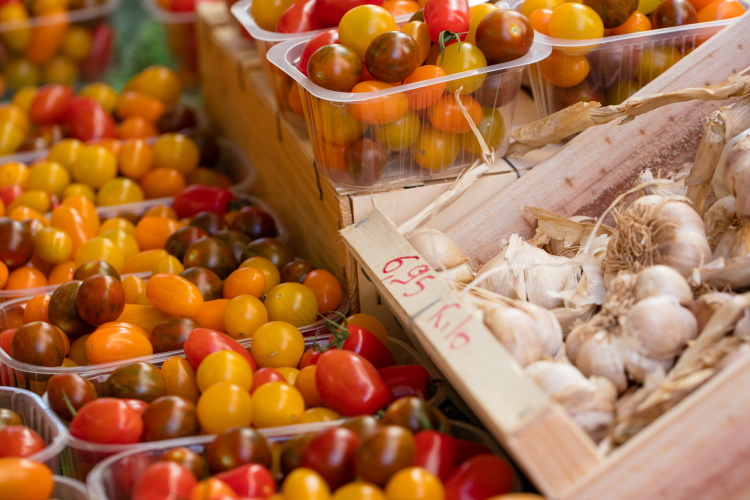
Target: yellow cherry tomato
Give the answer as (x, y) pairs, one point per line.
(11, 137)
(477, 13)
(305, 484)
(16, 115)
(224, 366)
(359, 490)
(78, 189)
(276, 404)
(36, 199)
(118, 191)
(530, 6)
(25, 213)
(319, 414)
(77, 43)
(289, 373)
(169, 265)
(117, 223)
(99, 248)
(143, 262)
(53, 245)
(133, 286)
(178, 152)
(65, 152)
(14, 174)
(94, 166)
(102, 93)
(414, 483)
(224, 406)
(125, 241)
(24, 96)
(243, 316)
(292, 302)
(277, 344)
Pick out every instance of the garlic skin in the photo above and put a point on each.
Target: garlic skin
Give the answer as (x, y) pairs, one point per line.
(639, 367)
(658, 327)
(597, 353)
(439, 251)
(737, 175)
(742, 328)
(590, 402)
(706, 305)
(663, 281)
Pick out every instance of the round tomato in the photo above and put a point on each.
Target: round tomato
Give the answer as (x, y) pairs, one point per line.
(480, 477)
(296, 271)
(107, 421)
(563, 70)
(613, 12)
(100, 299)
(236, 447)
(164, 479)
(414, 483)
(334, 67)
(447, 115)
(69, 390)
(276, 404)
(327, 37)
(169, 417)
(654, 61)
(337, 126)
(272, 249)
(39, 344)
(16, 243)
(382, 454)
(331, 453)
(24, 479)
(327, 289)
(189, 459)
(379, 110)
(575, 21)
(362, 24)
(179, 378)
(255, 223)
(435, 149)
(504, 35)
(20, 441)
(399, 135)
(364, 160)
(224, 366)
(243, 315)
(277, 344)
(492, 129)
(293, 303)
(305, 484)
(172, 333)
(209, 284)
(141, 381)
(223, 406)
(671, 13)
(392, 56)
(213, 254)
(636, 23)
(426, 96)
(720, 9)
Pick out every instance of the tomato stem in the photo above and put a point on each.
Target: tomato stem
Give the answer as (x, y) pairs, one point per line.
(339, 332)
(70, 406)
(445, 37)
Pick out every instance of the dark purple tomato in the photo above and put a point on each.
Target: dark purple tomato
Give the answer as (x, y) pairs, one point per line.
(331, 454)
(296, 271)
(363, 425)
(208, 145)
(16, 243)
(39, 344)
(140, 380)
(93, 267)
(210, 222)
(100, 299)
(415, 414)
(504, 35)
(9, 417)
(392, 56)
(272, 249)
(171, 334)
(235, 447)
(292, 450)
(179, 241)
(255, 223)
(69, 390)
(499, 90)
(385, 452)
(672, 13)
(335, 67)
(212, 254)
(209, 284)
(169, 417)
(188, 459)
(613, 12)
(177, 118)
(365, 159)
(63, 311)
(234, 239)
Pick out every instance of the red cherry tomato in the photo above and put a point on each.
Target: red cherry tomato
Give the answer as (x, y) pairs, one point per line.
(298, 18)
(107, 421)
(310, 357)
(358, 339)
(447, 15)
(50, 104)
(330, 12)
(136, 405)
(10, 193)
(203, 342)
(349, 384)
(249, 480)
(435, 452)
(264, 376)
(468, 449)
(201, 198)
(406, 380)
(481, 477)
(164, 480)
(97, 62)
(19, 441)
(327, 37)
(88, 120)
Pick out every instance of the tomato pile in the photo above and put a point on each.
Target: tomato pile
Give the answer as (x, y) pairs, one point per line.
(369, 53)
(41, 44)
(612, 74)
(38, 117)
(409, 453)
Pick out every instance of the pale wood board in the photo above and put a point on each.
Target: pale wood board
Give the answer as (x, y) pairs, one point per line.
(587, 174)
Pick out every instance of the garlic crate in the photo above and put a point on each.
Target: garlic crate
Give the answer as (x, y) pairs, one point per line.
(590, 314)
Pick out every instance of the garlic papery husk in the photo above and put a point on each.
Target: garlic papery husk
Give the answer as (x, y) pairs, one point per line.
(639, 367)
(719, 218)
(528, 331)
(657, 230)
(737, 175)
(671, 185)
(706, 305)
(523, 271)
(742, 328)
(597, 352)
(735, 242)
(439, 250)
(589, 401)
(658, 327)
(663, 281)
(462, 273)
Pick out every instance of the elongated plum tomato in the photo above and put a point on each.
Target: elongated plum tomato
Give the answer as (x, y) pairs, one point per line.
(174, 295)
(349, 384)
(165, 479)
(107, 421)
(327, 37)
(203, 342)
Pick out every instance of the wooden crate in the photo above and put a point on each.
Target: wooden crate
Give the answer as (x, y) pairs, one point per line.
(238, 99)
(700, 448)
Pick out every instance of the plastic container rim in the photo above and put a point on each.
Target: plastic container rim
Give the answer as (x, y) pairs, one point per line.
(651, 35)
(74, 484)
(166, 17)
(75, 16)
(283, 54)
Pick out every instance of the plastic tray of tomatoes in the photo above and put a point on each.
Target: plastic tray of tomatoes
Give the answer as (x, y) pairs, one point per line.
(383, 138)
(46, 42)
(83, 455)
(612, 68)
(40, 418)
(67, 488)
(115, 477)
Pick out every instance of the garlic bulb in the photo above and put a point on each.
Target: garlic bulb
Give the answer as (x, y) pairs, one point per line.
(706, 305)
(639, 367)
(657, 230)
(597, 352)
(719, 218)
(438, 250)
(737, 175)
(663, 281)
(523, 271)
(658, 327)
(589, 401)
(735, 242)
(742, 328)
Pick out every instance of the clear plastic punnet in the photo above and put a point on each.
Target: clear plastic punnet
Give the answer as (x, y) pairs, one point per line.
(39, 417)
(67, 488)
(357, 150)
(618, 65)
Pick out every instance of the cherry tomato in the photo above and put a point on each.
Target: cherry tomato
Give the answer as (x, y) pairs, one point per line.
(436, 149)
(349, 384)
(180, 379)
(203, 342)
(654, 61)
(224, 366)
(636, 23)
(267, 13)
(338, 126)
(360, 25)
(250, 480)
(172, 333)
(364, 160)
(460, 57)
(39, 344)
(480, 477)
(298, 18)
(334, 67)
(169, 417)
(331, 453)
(174, 295)
(379, 110)
(100, 299)
(392, 56)
(406, 380)
(276, 404)
(293, 303)
(243, 315)
(671, 13)
(305, 484)
(452, 16)
(427, 96)
(244, 281)
(66, 390)
(435, 452)
(116, 344)
(223, 406)
(50, 104)
(447, 114)
(563, 70)
(414, 414)
(212, 489)
(277, 344)
(163, 479)
(383, 453)
(492, 129)
(213, 254)
(399, 135)
(504, 35)
(236, 447)
(189, 459)
(330, 12)
(107, 421)
(88, 120)
(359, 490)
(720, 9)
(19, 441)
(157, 81)
(24, 479)
(142, 381)
(575, 21)
(16, 243)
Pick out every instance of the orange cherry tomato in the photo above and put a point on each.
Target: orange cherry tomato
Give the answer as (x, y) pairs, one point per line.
(144, 317)
(425, 97)
(116, 344)
(418, 31)
(326, 288)
(540, 20)
(212, 489)
(447, 115)
(331, 155)
(152, 233)
(24, 479)
(699, 4)
(720, 9)
(564, 70)
(174, 295)
(139, 104)
(371, 324)
(72, 222)
(37, 309)
(136, 127)
(47, 36)
(62, 272)
(211, 314)
(143, 262)
(3, 275)
(401, 7)
(162, 211)
(636, 23)
(305, 384)
(86, 208)
(77, 351)
(122, 324)
(25, 277)
(244, 281)
(162, 182)
(380, 110)
(135, 158)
